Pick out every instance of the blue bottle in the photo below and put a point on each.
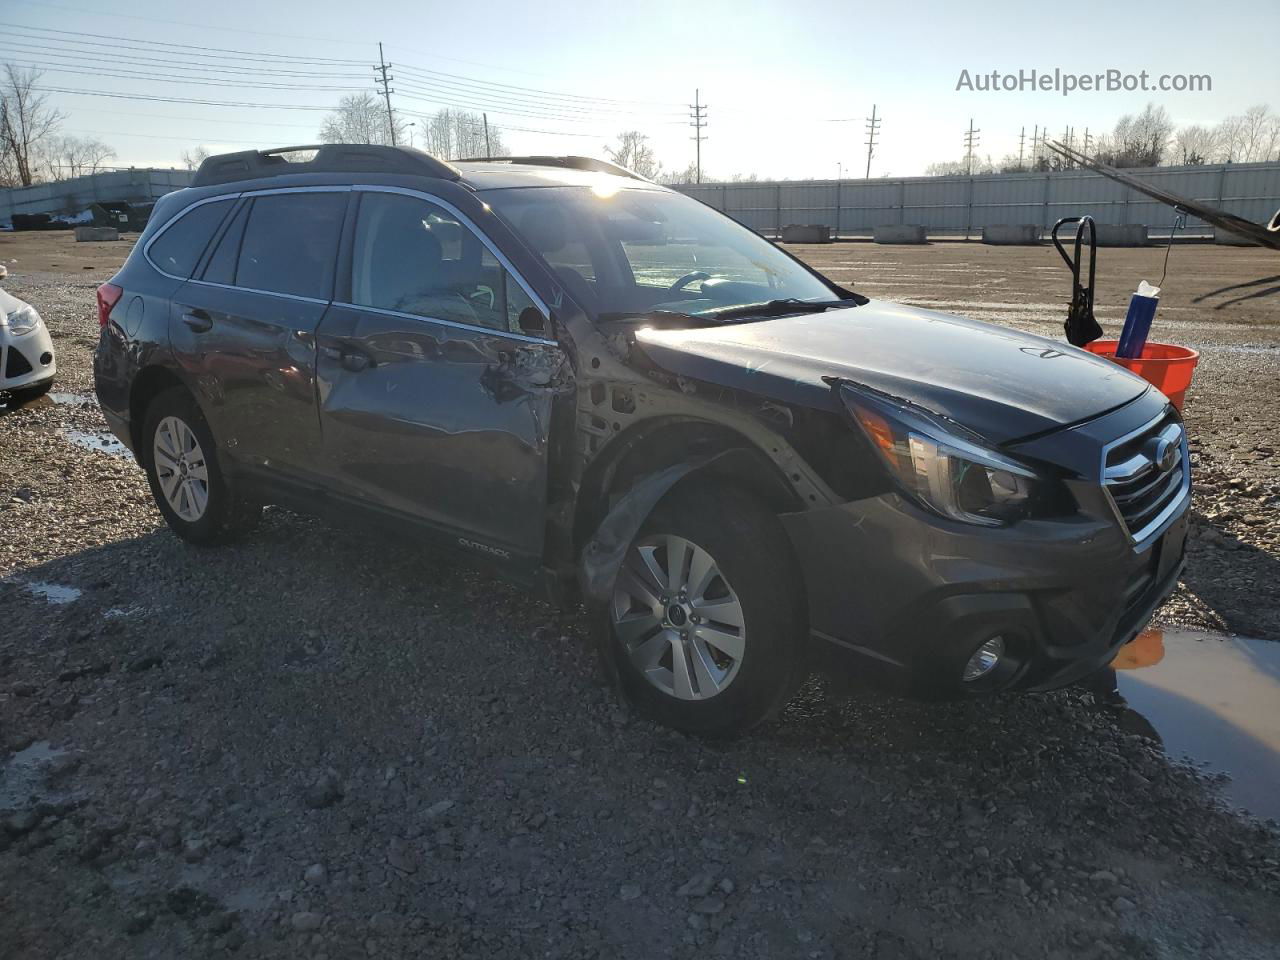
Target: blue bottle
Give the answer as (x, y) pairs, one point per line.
(1137, 322)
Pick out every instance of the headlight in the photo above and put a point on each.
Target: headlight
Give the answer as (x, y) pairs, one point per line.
(23, 320)
(940, 465)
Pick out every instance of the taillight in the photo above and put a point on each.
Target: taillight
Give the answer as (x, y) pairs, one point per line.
(108, 296)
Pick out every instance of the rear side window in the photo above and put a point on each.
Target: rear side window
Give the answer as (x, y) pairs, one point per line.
(290, 243)
(178, 249)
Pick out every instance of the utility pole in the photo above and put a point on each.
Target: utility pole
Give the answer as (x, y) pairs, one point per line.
(1086, 141)
(488, 150)
(1035, 145)
(385, 80)
(970, 141)
(699, 118)
(873, 125)
(1022, 139)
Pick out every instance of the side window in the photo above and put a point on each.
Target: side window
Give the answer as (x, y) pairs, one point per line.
(413, 256)
(179, 248)
(517, 303)
(221, 267)
(290, 243)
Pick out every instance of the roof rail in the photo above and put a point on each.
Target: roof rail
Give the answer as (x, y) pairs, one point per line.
(572, 163)
(329, 158)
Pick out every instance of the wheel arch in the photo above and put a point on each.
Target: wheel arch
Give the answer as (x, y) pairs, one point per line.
(653, 446)
(149, 383)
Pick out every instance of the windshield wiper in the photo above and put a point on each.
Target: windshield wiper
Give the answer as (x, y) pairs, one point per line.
(778, 308)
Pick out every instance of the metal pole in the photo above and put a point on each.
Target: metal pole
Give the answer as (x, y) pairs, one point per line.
(872, 125)
(382, 68)
(697, 124)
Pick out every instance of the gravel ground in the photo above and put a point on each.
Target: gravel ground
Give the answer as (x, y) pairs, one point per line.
(317, 745)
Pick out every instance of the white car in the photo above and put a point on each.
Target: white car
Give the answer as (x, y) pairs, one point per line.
(26, 350)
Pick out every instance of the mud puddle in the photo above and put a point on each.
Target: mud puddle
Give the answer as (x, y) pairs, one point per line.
(1210, 698)
(102, 442)
(55, 593)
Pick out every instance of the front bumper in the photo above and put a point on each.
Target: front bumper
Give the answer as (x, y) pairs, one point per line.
(26, 359)
(902, 598)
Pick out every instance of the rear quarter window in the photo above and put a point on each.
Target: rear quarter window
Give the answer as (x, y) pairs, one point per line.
(178, 249)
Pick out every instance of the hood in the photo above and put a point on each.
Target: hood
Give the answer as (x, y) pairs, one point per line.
(1001, 383)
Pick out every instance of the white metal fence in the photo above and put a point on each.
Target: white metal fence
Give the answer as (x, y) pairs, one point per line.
(964, 205)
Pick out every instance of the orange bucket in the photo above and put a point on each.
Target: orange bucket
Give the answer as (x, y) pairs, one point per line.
(1165, 366)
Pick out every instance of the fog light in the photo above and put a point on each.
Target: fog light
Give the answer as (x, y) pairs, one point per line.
(984, 659)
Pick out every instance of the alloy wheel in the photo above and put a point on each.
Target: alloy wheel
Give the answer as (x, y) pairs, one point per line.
(677, 618)
(181, 469)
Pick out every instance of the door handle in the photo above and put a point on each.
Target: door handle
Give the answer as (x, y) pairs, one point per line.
(197, 320)
(351, 359)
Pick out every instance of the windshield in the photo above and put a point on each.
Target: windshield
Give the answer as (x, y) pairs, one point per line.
(637, 251)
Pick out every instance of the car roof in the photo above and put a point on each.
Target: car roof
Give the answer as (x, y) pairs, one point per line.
(501, 175)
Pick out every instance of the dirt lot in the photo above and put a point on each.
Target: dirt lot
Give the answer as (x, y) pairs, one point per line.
(316, 745)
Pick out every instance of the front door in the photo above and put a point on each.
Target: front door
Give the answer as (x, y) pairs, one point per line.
(434, 402)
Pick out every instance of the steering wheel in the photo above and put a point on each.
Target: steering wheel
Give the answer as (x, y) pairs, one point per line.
(687, 279)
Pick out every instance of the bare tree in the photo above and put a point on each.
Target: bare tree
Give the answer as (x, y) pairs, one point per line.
(1195, 145)
(633, 152)
(453, 134)
(191, 159)
(959, 168)
(360, 118)
(1250, 137)
(1138, 141)
(688, 175)
(26, 122)
(61, 158)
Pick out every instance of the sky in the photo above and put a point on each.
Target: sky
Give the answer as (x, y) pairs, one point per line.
(788, 85)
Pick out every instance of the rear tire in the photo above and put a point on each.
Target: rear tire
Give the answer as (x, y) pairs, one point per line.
(196, 497)
(712, 576)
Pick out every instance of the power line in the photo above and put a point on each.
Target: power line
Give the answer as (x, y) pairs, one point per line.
(533, 90)
(159, 99)
(102, 56)
(507, 126)
(699, 118)
(180, 46)
(475, 91)
(171, 78)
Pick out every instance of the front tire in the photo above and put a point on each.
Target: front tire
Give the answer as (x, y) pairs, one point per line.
(707, 623)
(194, 494)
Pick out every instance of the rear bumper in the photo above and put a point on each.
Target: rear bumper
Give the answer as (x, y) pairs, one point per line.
(902, 599)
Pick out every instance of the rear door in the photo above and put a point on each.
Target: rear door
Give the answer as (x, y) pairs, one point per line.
(435, 383)
(244, 329)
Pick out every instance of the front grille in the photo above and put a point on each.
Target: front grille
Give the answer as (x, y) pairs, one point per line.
(1147, 475)
(16, 365)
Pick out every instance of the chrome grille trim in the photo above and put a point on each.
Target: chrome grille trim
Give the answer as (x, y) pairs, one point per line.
(1144, 497)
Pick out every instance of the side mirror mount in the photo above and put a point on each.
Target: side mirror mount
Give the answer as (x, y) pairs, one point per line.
(532, 322)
